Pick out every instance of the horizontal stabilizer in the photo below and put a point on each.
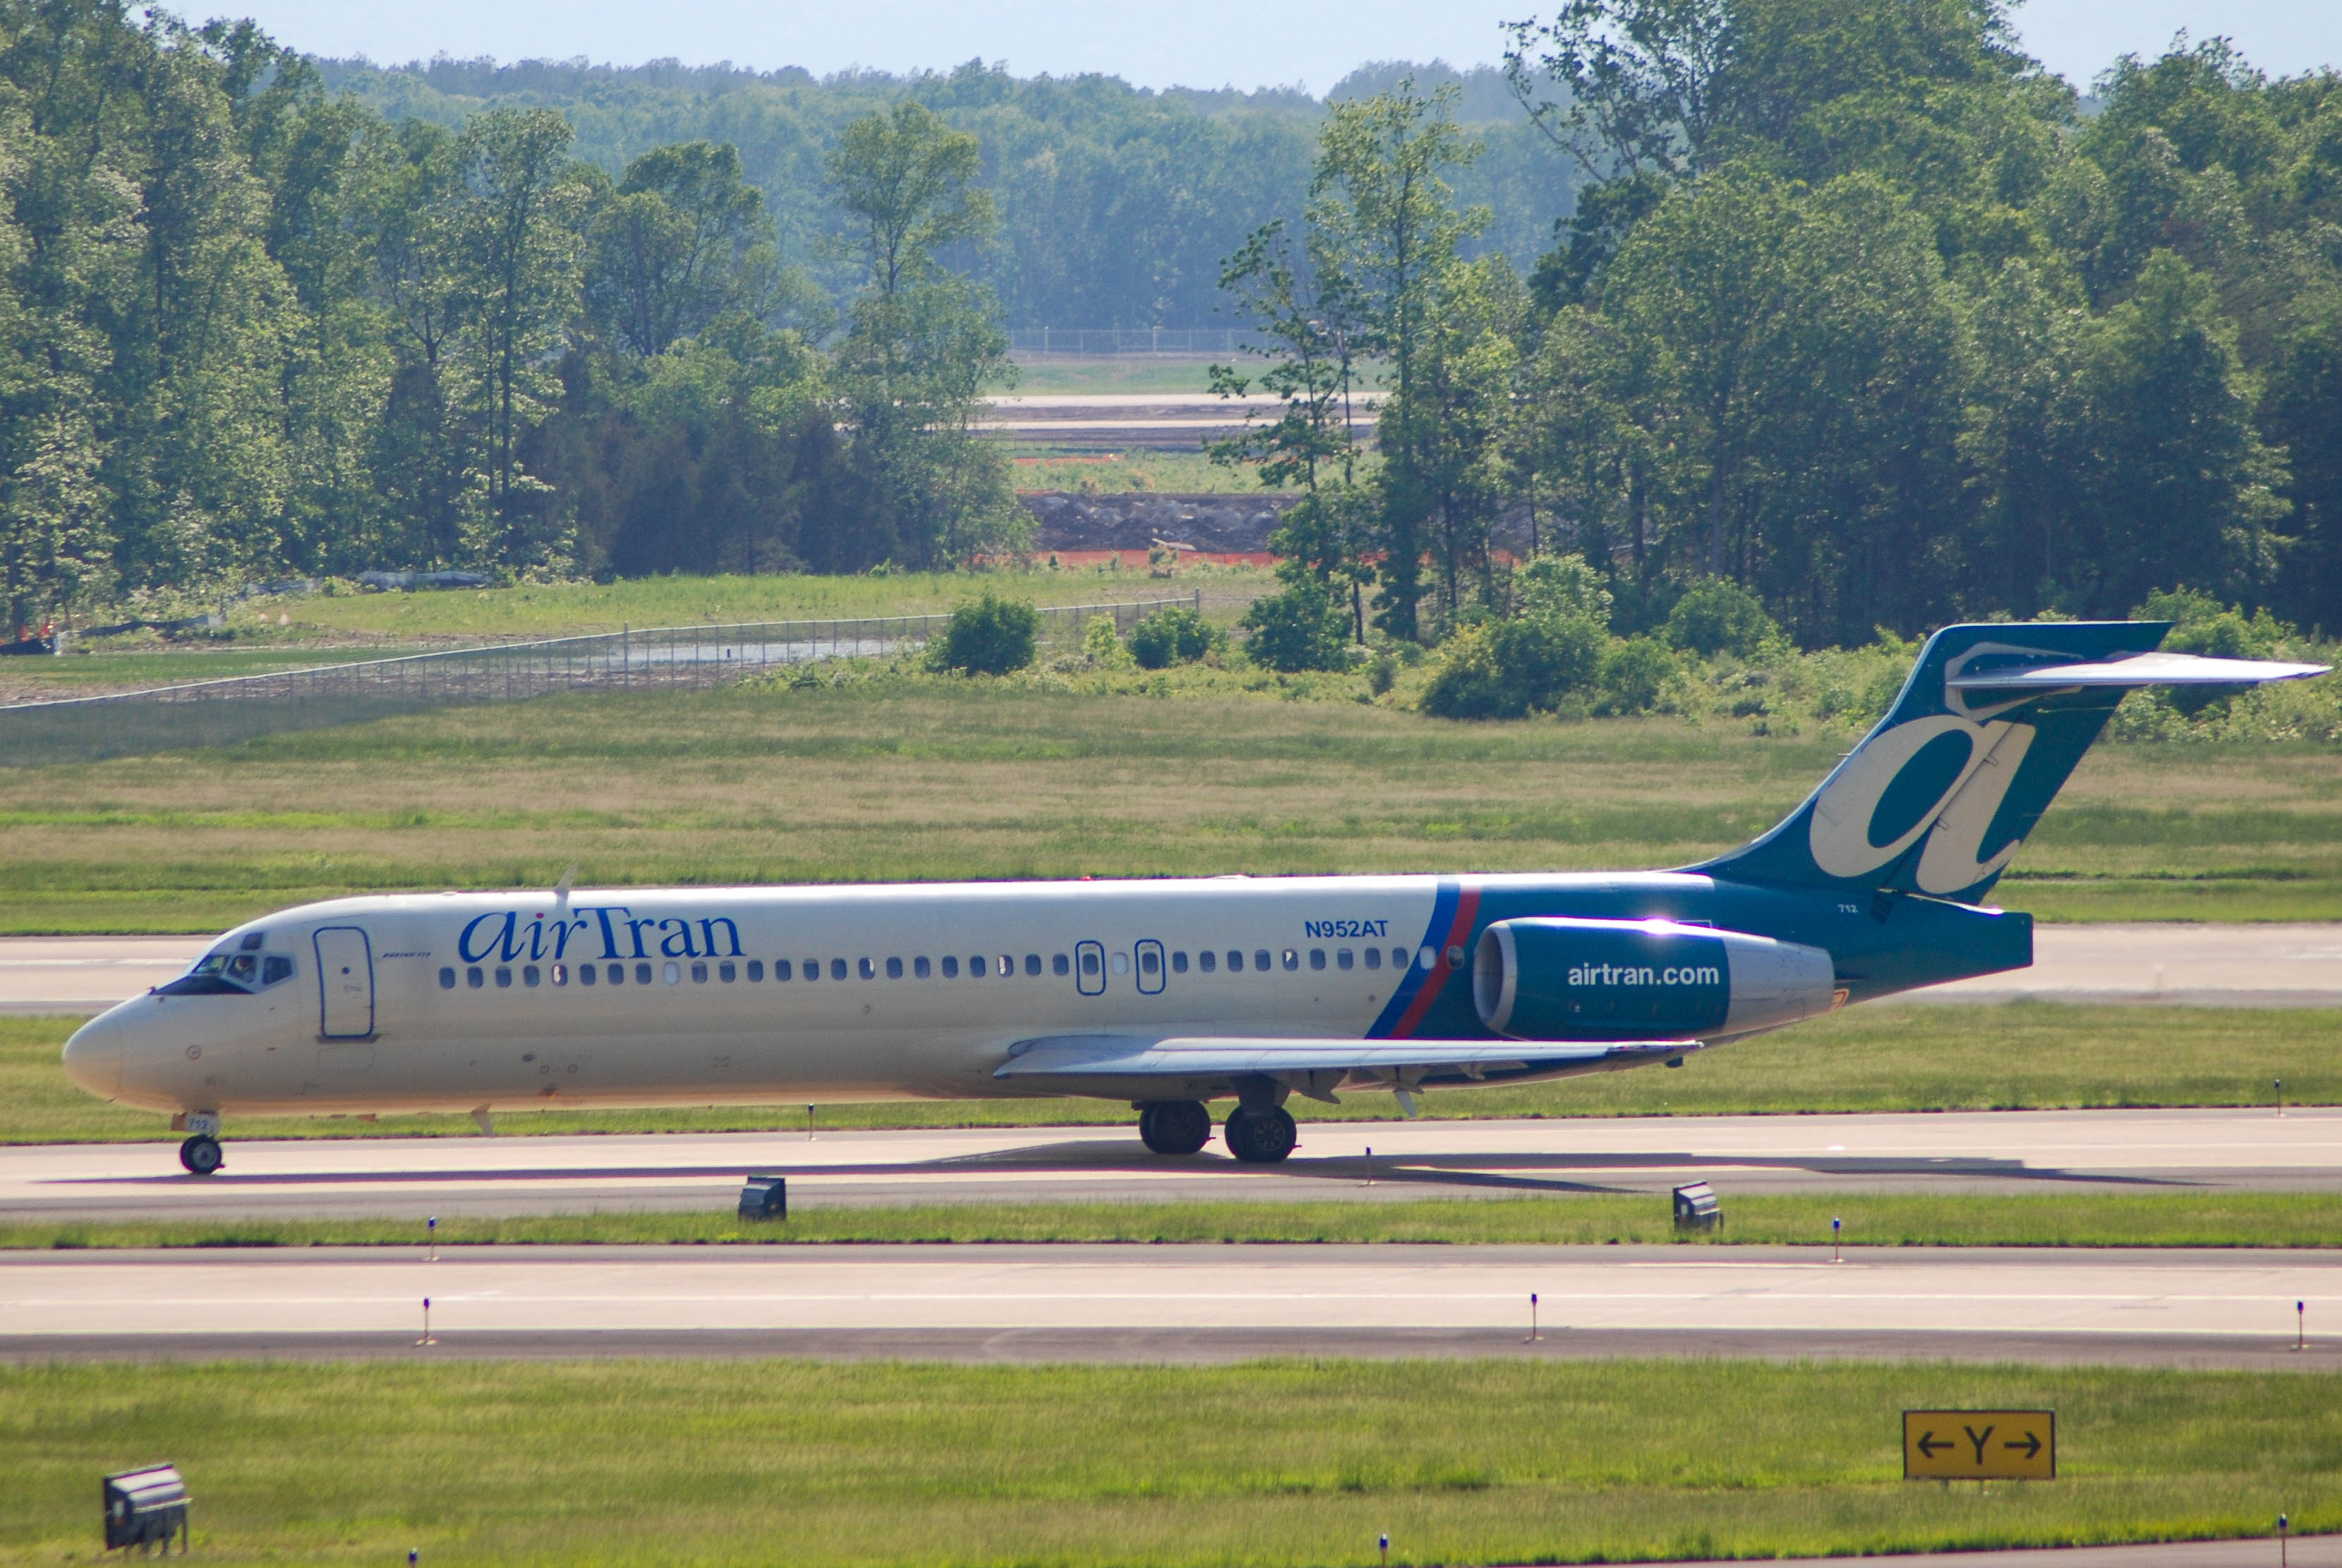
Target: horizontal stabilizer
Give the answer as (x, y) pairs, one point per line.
(2138, 670)
(1401, 1061)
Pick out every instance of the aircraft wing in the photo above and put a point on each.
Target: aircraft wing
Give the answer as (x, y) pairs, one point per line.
(1316, 1066)
(2138, 670)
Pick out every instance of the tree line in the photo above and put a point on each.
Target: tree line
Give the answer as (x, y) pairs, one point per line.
(1858, 311)
(249, 327)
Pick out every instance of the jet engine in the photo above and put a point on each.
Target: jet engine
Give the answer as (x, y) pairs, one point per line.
(1559, 979)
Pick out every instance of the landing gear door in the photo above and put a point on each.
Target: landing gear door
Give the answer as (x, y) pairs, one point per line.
(344, 983)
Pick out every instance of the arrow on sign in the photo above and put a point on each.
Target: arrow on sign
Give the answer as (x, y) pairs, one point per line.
(2029, 1447)
(1928, 1443)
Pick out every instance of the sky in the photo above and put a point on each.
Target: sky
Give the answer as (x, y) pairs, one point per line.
(1198, 44)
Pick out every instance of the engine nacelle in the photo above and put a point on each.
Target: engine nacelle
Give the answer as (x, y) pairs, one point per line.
(1558, 979)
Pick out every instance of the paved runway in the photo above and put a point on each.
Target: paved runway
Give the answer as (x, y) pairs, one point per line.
(2194, 1307)
(2189, 964)
(1981, 1151)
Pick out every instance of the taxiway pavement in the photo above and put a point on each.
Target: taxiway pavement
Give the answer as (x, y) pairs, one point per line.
(1967, 1152)
(2287, 965)
(1158, 1303)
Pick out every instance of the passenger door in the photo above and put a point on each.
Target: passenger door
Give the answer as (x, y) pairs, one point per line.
(344, 983)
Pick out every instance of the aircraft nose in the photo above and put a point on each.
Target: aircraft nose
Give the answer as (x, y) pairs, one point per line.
(93, 1057)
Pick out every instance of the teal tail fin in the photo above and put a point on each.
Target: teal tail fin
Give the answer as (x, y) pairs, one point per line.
(1939, 796)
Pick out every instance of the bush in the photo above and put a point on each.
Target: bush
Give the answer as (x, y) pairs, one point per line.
(987, 637)
(1102, 645)
(1634, 673)
(1173, 636)
(1553, 586)
(1300, 629)
(1508, 668)
(1717, 615)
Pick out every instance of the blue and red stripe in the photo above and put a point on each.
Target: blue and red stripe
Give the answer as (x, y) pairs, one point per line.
(1453, 911)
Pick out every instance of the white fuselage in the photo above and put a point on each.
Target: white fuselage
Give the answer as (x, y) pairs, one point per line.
(469, 1001)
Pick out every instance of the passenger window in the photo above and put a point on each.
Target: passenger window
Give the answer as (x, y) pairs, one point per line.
(1032, 964)
(1090, 965)
(699, 973)
(671, 972)
(1342, 959)
(561, 974)
(1454, 958)
(643, 974)
(869, 971)
(837, 969)
(894, 969)
(1260, 958)
(1178, 963)
(976, 966)
(1293, 959)
(1206, 960)
(920, 967)
(1148, 963)
(1374, 958)
(951, 967)
(1004, 964)
(503, 978)
(1425, 957)
(586, 974)
(1122, 964)
(446, 979)
(757, 970)
(727, 973)
(1316, 958)
(1060, 966)
(1235, 961)
(617, 975)
(474, 978)
(530, 975)
(275, 968)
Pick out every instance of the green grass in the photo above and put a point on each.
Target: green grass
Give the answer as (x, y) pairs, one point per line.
(1268, 1463)
(1892, 1220)
(1120, 373)
(2029, 1056)
(895, 777)
(1040, 467)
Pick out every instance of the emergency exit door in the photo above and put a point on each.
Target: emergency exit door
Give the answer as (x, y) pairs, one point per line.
(344, 983)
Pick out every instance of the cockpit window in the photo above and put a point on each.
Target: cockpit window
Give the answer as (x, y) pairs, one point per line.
(225, 973)
(216, 974)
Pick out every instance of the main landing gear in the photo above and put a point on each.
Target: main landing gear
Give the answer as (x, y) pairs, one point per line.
(1173, 1126)
(1260, 1134)
(201, 1153)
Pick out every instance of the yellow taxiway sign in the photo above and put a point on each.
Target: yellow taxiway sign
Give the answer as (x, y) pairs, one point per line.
(1979, 1445)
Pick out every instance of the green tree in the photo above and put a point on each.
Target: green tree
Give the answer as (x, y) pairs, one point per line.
(683, 239)
(922, 345)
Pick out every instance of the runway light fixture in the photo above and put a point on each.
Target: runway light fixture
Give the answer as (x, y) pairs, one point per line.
(764, 1198)
(1698, 1208)
(146, 1506)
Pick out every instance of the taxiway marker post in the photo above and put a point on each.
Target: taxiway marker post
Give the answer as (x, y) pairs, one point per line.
(1386, 1549)
(426, 1338)
(2278, 1085)
(2301, 1326)
(1835, 1223)
(1370, 1165)
(1534, 1336)
(431, 1231)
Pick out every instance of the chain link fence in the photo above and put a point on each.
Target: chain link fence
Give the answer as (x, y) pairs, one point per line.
(219, 712)
(1104, 342)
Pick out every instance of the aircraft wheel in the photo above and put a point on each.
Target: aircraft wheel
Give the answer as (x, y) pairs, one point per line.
(201, 1155)
(1174, 1126)
(1260, 1137)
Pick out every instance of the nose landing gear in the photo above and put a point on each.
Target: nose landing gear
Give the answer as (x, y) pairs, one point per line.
(201, 1153)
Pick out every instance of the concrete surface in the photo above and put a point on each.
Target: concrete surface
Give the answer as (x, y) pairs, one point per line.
(2296, 965)
(1967, 1152)
(1372, 1299)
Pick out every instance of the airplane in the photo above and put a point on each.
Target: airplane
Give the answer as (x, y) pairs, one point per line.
(1167, 995)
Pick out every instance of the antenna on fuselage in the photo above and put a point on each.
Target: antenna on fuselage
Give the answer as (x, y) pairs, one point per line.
(561, 888)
